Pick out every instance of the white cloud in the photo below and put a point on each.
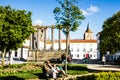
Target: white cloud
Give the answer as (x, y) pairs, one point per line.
(38, 22)
(85, 12)
(91, 10)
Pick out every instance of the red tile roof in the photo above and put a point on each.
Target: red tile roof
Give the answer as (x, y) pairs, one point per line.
(78, 41)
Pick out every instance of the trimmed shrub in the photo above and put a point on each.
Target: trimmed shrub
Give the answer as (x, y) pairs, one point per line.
(101, 76)
(108, 76)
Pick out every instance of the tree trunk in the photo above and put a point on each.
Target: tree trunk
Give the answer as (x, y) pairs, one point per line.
(67, 46)
(3, 56)
(11, 59)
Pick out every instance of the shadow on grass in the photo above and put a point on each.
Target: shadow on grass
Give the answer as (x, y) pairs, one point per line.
(79, 68)
(41, 75)
(11, 78)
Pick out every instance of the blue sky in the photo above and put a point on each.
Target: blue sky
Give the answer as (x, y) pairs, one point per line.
(95, 11)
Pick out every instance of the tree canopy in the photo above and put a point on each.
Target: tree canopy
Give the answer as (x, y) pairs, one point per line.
(69, 16)
(15, 27)
(110, 35)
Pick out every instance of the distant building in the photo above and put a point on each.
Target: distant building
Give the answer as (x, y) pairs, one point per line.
(81, 49)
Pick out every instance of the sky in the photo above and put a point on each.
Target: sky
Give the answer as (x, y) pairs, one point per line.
(95, 12)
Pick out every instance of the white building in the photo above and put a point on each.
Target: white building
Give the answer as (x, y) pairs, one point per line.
(81, 49)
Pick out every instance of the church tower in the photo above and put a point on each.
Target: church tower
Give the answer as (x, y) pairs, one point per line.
(88, 35)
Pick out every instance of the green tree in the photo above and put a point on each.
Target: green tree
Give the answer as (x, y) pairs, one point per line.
(69, 16)
(15, 27)
(110, 35)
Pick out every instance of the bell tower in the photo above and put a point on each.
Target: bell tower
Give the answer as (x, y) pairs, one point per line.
(88, 35)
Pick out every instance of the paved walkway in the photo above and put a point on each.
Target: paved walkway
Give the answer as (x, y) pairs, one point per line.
(107, 67)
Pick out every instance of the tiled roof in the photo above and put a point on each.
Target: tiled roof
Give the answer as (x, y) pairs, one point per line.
(78, 41)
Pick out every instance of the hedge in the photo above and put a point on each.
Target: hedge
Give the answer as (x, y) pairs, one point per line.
(101, 76)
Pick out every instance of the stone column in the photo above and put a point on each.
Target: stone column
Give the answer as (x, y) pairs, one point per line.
(45, 38)
(59, 39)
(38, 38)
(31, 40)
(41, 37)
(52, 37)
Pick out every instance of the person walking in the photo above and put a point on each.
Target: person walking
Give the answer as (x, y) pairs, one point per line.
(103, 60)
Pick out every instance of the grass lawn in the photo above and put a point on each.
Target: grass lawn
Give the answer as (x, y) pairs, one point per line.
(75, 69)
(28, 72)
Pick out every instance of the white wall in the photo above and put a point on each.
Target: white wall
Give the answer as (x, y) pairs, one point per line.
(25, 53)
(78, 53)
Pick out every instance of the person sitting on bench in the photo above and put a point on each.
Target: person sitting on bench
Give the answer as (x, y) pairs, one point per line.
(49, 70)
(59, 70)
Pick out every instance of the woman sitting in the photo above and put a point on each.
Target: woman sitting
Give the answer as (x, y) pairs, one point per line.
(49, 70)
(59, 70)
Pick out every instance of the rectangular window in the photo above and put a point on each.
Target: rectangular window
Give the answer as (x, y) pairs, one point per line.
(90, 55)
(84, 49)
(90, 49)
(84, 55)
(77, 55)
(78, 50)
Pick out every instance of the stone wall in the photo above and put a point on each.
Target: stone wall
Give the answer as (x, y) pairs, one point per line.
(42, 55)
